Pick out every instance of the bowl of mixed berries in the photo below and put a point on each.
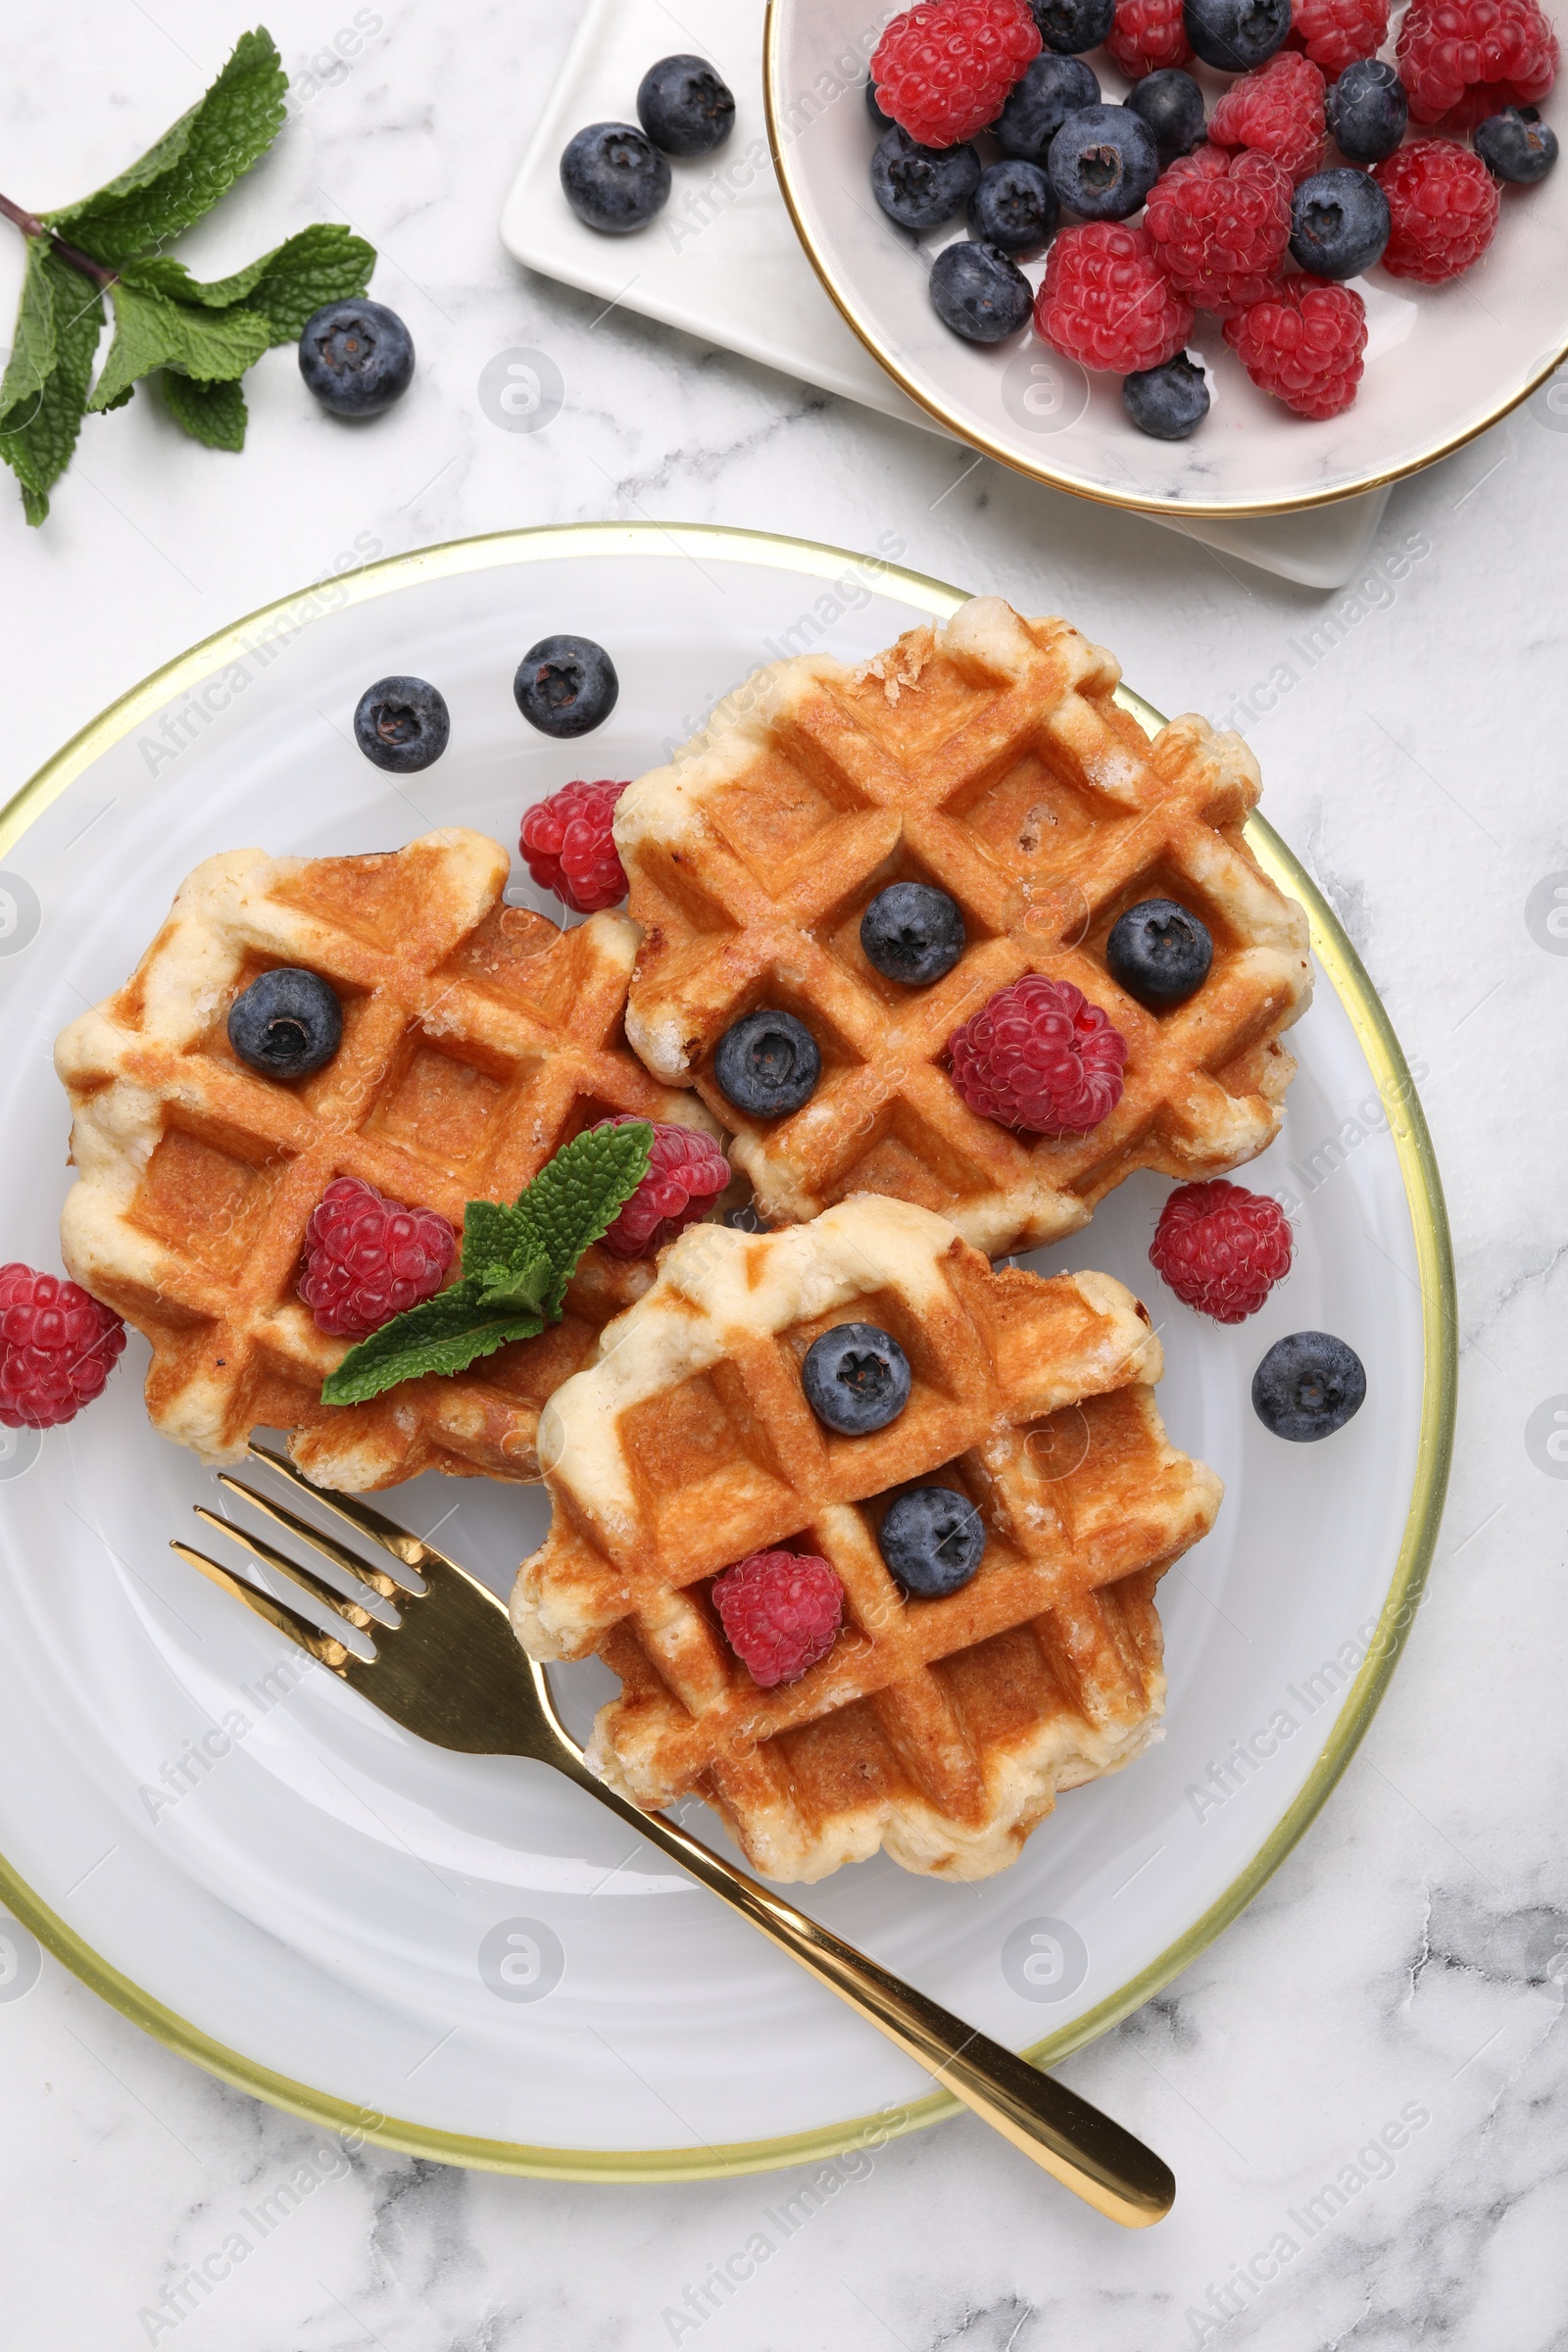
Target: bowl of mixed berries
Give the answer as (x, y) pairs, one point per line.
(1195, 256)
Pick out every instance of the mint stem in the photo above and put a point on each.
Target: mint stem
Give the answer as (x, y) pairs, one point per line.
(31, 226)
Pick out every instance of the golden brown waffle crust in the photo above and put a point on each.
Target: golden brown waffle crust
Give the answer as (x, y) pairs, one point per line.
(862, 781)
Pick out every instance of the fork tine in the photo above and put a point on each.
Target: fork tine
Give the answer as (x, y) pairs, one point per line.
(363, 1574)
(347, 1611)
(280, 1618)
(411, 1551)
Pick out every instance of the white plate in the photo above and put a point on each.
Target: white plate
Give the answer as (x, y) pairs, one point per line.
(1443, 362)
(320, 1908)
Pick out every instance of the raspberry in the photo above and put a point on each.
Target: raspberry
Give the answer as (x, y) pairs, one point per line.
(1443, 203)
(1278, 111)
(944, 68)
(57, 1347)
(781, 1612)
(1221, 1249)
(1220, 225)
(1039, 1057)
(1334, 33)
(570, 849)
(1105, 302)
(366, 1259)
(1462, 60)
(1148, 35)
(1303, 343)
(687, 1171)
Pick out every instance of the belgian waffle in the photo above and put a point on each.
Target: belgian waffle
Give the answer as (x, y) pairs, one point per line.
(940, 1729)
(987, 758)
(477, 1039)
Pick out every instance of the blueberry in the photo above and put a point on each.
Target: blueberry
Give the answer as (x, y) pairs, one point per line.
(768, 1065)
(932, 1540)
(684, 107)
(1309, 1385)
(566, 686)
(356, 356)
(1104, 162)
(1338, 223)
(285, 1024)
(881, 120)
(614, 178)
(856, 1377)
(1158, 952)
(1236, 35)
(1053, 88)
(402, 725)
(980, 293)
(1516, 145)
(921, 187)
(1168, 402)
(1015, 207)
(1367, 110)
(1069, 25)
(1171, 103)
(913, 933)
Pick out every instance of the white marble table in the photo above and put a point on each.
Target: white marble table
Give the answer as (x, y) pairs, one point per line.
(1406, 1961)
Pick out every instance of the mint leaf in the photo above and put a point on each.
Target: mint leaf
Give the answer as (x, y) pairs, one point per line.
(33, 356)
(42, 399)
(194, 163)
(527, 1288)
(445, 1335)
(324, 263)
(577, 1197)
(151, 331)
(212, 414)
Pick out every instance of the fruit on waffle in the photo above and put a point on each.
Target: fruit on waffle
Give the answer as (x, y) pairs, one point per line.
(986, 765)
(476, 1040)
(940, 1726)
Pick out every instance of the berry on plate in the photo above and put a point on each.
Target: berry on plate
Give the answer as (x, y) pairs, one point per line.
(614, 178)
(1221, 1249)
(568, 847)
(913, 932)
(1013, 206)
(933, 1541)
(1367, 110)
(1304, 343)
(943, 67)
(1219, 226)
(856, 1378)
(367, 1258)
(1160, 951)
(1462, 60)
(1338, 223)
(402, 725)
(1070, 27)
(684, 107)
(1054, 88)
(1442, 206)
(1040, 1057)
(1106, 303)
(566, 686)
(980, 292)
(1104, 162)
(879, 120)
(1309, 1385)
(1278, 111)
(768, 1065)
(356, 356)
(781, 1614)
(1237, 36)
(686, 1173)
(921, 187)
(1171, 103)
(1147, 36)
(286, 1024)
(1167, 403)
(1334, 33)
(57, 1347)
(1516, 145)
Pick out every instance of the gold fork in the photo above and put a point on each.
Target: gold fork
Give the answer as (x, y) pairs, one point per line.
(447, 1666)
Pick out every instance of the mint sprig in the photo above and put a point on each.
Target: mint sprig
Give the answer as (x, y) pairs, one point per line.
(518, 1260)
(195, 341)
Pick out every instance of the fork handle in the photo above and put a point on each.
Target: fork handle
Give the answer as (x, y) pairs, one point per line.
(1083, 2150)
